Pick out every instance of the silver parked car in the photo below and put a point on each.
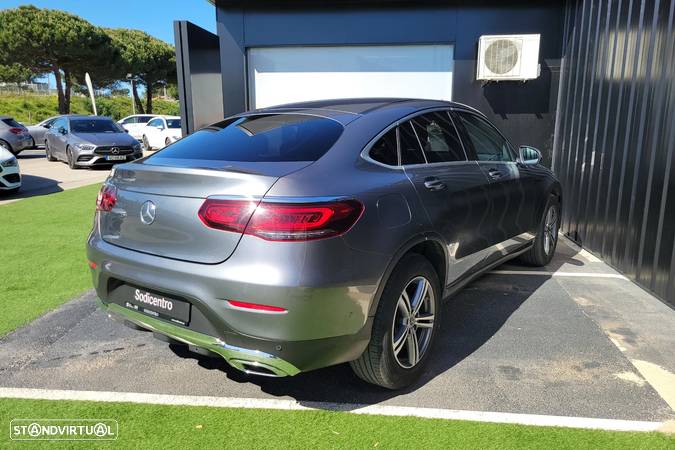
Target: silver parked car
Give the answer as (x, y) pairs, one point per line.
(302, 236)
(39, 130)
(13, 136)
(86, 141)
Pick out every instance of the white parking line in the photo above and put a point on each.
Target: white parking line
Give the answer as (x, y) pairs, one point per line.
(560, 274)
(293, 405)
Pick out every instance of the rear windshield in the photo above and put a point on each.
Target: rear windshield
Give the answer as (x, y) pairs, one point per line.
(260, 138)
(12, 123)
(94, 126)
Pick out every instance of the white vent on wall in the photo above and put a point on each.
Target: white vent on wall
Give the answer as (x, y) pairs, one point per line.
(508, 57)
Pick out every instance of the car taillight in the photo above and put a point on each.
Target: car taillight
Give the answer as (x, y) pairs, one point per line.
(282, 221)
(16, 130)
(107, 197)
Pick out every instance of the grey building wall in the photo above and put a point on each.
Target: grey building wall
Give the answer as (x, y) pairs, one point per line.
(616, 136)
(199, 79)
(525, 112)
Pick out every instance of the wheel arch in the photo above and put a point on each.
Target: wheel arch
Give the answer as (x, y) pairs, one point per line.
(9, 146)
(431, 246)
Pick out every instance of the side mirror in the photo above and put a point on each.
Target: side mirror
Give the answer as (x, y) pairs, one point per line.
(528, 156)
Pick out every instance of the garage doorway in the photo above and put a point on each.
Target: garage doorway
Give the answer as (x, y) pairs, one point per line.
(278, 75)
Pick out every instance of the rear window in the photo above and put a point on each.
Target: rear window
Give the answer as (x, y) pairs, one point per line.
(259, 138)
(12, 123)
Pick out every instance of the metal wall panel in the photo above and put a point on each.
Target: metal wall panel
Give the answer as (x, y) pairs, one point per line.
(615, 136)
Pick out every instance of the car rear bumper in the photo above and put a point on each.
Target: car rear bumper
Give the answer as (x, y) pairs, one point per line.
(246, 360)
(325, 324)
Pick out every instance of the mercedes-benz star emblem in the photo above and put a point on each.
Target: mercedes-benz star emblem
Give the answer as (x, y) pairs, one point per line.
(114, 150)
(148, 211)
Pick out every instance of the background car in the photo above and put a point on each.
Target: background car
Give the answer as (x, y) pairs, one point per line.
(135, 123)
(37, 131)
(10, 178)
(14, 136)
(307, 235)
(86, 141)
(161, 131)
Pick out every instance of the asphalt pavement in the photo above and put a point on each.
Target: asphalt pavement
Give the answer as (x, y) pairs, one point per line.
(537, 343)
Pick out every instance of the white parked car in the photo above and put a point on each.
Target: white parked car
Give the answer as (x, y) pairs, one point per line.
(161, 131)
(10, 178)
(135, 124)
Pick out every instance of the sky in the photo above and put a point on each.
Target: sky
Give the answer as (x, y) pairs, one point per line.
(155, 17)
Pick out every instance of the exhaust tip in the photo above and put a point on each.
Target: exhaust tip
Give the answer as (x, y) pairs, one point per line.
(257, 368)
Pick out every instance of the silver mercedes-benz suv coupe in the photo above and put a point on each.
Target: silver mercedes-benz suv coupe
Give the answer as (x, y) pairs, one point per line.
(301, 236)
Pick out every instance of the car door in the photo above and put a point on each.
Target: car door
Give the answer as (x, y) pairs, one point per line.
(453, 189)
(57, 139)
(152, 131)
(510, 213)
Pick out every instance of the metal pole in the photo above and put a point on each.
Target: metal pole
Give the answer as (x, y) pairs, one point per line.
(133, 100)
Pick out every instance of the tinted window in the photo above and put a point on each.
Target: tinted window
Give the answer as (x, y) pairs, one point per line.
(93, 126)
(259, 138)
(12, 123)
(411, 153)
(143, 119)
(59, 123)
(384, 150)
(486, 141)
(173, 123)
(438, 137)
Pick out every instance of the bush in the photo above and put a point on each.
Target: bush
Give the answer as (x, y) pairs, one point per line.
(32, 108)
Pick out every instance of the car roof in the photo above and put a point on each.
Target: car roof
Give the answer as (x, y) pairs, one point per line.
(334, 108)
(167, 117)
(87, 116)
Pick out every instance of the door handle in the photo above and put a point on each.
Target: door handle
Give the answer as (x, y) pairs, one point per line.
(434, 184)
(494, 174)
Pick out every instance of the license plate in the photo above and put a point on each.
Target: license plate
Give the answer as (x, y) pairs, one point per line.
(115, 158)
(153, 304)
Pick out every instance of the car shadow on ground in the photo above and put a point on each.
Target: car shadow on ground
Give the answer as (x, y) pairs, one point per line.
(23, 155)
(470, 319)
(32, 186)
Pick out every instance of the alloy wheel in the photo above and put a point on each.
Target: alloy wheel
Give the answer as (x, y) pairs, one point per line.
(413, 322)
(550, 229)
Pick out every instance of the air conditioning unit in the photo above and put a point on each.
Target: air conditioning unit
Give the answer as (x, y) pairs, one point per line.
(508, 57)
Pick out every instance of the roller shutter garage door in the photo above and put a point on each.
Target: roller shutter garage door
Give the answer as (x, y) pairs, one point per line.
(278, 75)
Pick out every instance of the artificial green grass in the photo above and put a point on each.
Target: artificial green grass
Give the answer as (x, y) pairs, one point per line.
(161, 427)
(43, 261)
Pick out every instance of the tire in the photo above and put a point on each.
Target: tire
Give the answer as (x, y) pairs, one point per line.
(546, 240)
(48, 153)
(379, 364)
(166, 142)
(146, 144)
(70, 159)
